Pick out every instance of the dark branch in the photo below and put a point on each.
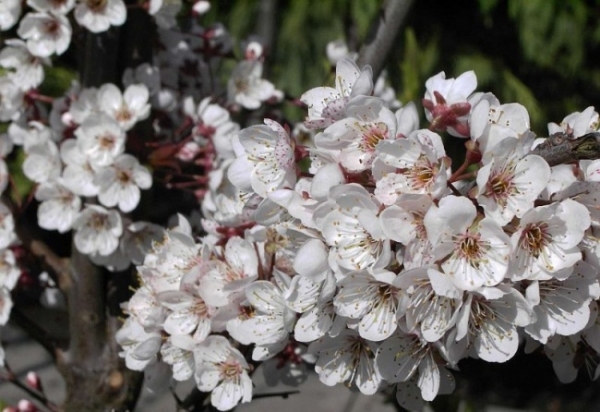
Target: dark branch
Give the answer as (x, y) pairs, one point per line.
(382, 36)
(39, 396)
(561, 148)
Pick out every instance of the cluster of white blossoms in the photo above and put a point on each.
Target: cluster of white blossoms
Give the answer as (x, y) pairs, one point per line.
(380, 262)
(91, 164)
(9, 269)
(45, 30)
(350, 242)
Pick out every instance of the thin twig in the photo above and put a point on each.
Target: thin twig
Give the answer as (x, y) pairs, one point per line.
(39, 396)
(384, 31)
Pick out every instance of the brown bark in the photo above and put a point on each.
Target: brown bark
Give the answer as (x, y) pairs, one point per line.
(96, 377)
(561, 148)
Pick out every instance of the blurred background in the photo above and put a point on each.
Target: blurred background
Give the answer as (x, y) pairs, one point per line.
(544, 54)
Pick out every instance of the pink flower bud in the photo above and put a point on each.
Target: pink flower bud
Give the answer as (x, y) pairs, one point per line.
(26, 406)
(33, 380)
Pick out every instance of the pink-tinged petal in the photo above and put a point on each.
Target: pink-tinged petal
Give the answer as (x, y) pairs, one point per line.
(496, 343)
(395, 358)
(442, 285)
(311, 259)
(207, 379)
(327, 177)
(181, 322)
(429, 379)
(240, 172)
(346, 74)
(368, 378)
(110, 98)
(380, 323)
(462, 87)
(408, 395)
(264, 296)
(314, 324)
(364, 83)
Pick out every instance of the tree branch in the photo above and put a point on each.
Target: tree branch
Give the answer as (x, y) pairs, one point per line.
(87, 312)
(561, 148)
(382, 36)
(96, 377)
(265, 24)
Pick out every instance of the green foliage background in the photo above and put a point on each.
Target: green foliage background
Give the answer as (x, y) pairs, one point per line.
(541, 53)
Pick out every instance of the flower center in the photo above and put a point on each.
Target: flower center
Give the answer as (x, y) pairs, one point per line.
(469, 247)
(500, 186)
(123, 176)
(230, 369)
(106, 141)
(99, 221)
(535, 237)
(124, 114)
(58, 3)
(52, 27)
(422, 175)
(371, 135)
(97, 6)
(200, 309)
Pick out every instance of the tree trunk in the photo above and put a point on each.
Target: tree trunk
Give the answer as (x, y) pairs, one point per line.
(95, 376)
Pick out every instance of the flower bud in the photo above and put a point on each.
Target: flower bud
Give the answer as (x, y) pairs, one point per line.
(26, 406)
(33, 380)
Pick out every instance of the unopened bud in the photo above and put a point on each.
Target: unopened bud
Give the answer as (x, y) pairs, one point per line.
(10, 409)
(33, 380)
(473, 153)
(254, 51)
(26, 406)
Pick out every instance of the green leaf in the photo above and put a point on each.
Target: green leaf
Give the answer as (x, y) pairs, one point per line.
(22, 184)
(57, 81)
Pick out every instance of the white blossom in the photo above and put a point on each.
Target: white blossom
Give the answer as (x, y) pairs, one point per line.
(98, 16)
(100, 139)
(46, 34)
(372, 299)
(26, 70)
(222, 370)
(509, 182)
(139, 346)
(43, 162)
(59, 206)
(326, 104)
(126, 108)
(246, 86)
(11, 99)
(10, 10)
(120, 183)
(265, 159)
(52, 6)
(545, 243)
(97, 230)
(348, 359)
